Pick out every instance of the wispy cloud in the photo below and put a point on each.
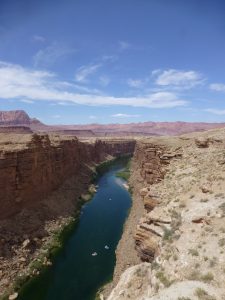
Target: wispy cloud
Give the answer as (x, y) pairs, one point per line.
(109, 58)
(216, 111)
(120, 115)
(177, 78)
(124, 45)
(51, 54)
(84, 71)
(219, 87)
(19, 83)
(39, 38)
(136, 83)
(27, 101)
(56, 116)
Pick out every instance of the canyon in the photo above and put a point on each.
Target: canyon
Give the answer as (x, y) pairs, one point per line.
(173, 242)
(42, 181)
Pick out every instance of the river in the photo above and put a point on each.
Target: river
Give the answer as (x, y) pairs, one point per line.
(88, 258)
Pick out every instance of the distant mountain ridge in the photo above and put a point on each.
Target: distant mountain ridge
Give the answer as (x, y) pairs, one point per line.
(21, 118)
(16, 117)
(147, 128)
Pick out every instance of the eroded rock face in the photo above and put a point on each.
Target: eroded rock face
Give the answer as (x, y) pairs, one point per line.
(183, 235)
(14, 117)
(151, 161)
(32, 173)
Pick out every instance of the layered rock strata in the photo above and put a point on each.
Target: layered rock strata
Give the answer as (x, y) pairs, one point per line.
(181, 236)
(32, 173)
(41, 180)
(151, 161)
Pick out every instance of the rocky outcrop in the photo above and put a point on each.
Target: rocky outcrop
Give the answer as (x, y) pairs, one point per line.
(202, 142)
(14, 117)
(17, 118)
(150, 161)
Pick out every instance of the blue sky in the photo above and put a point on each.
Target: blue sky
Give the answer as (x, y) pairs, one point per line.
(109, 61)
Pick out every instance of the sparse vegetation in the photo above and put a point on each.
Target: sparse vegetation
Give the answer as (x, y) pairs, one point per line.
(221, 242)
(163, 279)
(168, 234)
(203, 295)
(207, 277)
(222, 207)
(213, 262)
(204, 200)
(125, 174)
(194, 275)
(193, 252)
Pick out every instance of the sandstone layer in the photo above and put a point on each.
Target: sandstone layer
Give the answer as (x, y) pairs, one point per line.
(181, 236)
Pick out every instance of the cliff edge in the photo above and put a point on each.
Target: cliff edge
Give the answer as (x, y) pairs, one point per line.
(180, 238)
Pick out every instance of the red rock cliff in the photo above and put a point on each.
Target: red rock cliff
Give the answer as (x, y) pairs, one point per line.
(32, 173)
(150, 165)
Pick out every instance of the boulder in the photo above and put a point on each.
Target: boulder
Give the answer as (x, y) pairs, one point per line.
(202, 142)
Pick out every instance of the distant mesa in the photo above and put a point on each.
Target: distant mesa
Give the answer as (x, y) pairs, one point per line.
(16, 117)
(18, 121)
(15, 129)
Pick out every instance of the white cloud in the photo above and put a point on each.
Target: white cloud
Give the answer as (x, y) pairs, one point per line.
(20, 83)
(156, 72)
(51, 54)
(109, 58)
(39, 38)
(63, 103)
(104, 80)
(85, 89)
(219, 87)
(123, 45)
(215, 111)
(85, 71)
(56, 116)
(136, 83)
(27, 101)
(124, 116)
(183, 79)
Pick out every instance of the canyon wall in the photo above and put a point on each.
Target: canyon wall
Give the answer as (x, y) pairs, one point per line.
(150, 163)
(180, 234)
(42, 181)
(32, 173)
